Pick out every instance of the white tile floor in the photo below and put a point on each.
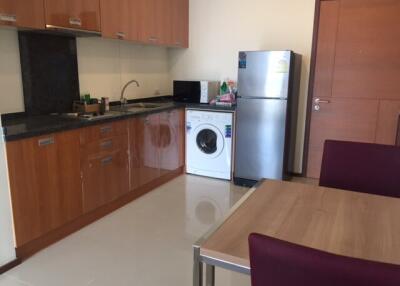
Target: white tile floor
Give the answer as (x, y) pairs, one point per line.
(146, 243)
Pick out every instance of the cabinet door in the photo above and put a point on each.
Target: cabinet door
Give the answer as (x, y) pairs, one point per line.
(22, 13)
(147, 144)
(180, 23)
(76, 14)
(105, 178)
(45, 183)
(119, 19)
(155, 22)
(171, 141)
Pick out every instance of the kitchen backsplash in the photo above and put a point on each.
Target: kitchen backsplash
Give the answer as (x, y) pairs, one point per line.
(104, 67)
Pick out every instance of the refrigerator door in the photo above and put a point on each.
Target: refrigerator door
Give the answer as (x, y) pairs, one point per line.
(264, 74)
(260, 138)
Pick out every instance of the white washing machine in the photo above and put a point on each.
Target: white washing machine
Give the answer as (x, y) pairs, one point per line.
(209, 136)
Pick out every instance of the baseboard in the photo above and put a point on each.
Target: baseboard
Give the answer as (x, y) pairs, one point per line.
(53, 236)
(10, 265)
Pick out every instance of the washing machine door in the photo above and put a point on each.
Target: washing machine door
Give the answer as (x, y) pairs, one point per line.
(208, 140)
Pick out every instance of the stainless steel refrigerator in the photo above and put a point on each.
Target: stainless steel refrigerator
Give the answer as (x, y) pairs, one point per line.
(267, 103)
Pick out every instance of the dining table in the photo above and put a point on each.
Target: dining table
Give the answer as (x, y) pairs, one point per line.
(341, 222)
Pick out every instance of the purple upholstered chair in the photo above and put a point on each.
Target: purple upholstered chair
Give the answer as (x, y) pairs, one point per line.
(361, 167)
(279, 263)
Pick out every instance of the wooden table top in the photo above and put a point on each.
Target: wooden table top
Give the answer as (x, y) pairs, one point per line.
(337, 221)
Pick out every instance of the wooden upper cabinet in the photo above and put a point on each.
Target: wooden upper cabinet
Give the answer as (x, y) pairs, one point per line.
(119, 19)
(155, 22)
(180, 23)
(74, 14)
(45, 183)
(22, 13)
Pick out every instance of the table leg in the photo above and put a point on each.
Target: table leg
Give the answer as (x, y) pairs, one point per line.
(197, 267)
(210, 275)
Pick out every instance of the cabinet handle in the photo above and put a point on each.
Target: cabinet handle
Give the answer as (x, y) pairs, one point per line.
(105, 129)
(153, 39)
(106, 161)
(106, 144)
(8, 18)
(46, 141)
(146, 121)
(75, 21)
(120, 35)
(178, 43)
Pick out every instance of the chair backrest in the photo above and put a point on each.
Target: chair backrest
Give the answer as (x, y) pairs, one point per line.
(279, 263)
(361, 167)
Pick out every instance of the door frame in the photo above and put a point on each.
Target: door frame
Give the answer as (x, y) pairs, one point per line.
(310, 93)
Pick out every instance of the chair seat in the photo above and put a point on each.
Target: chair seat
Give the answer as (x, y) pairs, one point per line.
(361, 167)
(279, 263)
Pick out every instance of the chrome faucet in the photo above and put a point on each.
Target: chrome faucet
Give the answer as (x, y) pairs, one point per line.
(123, 99)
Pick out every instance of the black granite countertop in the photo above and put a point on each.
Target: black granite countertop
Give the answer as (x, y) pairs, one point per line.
(17, 127)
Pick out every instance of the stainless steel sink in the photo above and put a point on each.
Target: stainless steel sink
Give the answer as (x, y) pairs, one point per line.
(144, 105)
(98, 117)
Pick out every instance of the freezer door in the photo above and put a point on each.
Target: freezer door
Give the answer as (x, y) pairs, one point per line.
(264, 74)
(260, 138)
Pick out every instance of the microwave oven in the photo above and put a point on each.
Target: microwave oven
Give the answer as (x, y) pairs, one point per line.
(195, 91)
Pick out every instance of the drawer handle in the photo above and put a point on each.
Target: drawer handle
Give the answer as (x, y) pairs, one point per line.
(106, 161)
(178, 43)
(46, 141)
(105, 129)
(153, 39)
(8, 18)
(106, 144)
(75, 21)
(120, 35)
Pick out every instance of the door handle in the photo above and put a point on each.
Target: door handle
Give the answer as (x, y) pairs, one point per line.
(319, 101)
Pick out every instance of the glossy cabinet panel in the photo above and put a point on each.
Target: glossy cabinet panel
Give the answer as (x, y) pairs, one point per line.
(147, 138)
(75, 14)
(22, 13)
(45, 183)
(171, 141)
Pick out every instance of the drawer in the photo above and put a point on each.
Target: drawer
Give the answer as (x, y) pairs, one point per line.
(103, 131)
(106, 145)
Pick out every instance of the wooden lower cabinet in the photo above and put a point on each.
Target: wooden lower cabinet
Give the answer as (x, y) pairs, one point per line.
(45, 183)
(157, 146)
(64, 181)
(105, 163)
(105, 177)
(171, 140)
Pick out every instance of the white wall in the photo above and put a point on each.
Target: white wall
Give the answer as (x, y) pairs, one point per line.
(7, 251)
(104, 67)
(219, 29)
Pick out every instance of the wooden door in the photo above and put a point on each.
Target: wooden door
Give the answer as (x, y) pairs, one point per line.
(351, 73)
(147, 144)
(75, 14)
(155, 22)
(119, 19)
(180, 23)
(45, 183)
(22, 13)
